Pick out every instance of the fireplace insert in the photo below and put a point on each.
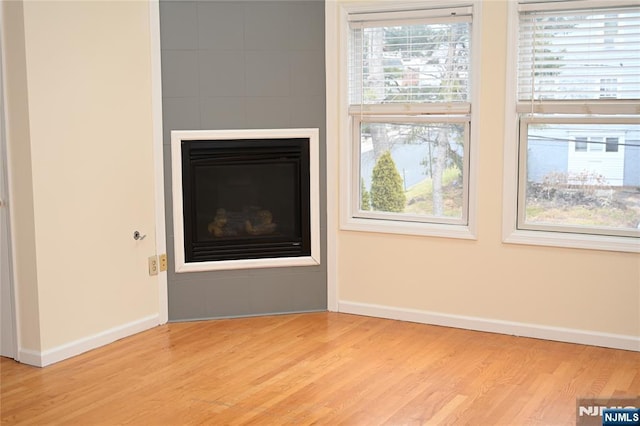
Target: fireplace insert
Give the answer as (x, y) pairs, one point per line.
(245, 198)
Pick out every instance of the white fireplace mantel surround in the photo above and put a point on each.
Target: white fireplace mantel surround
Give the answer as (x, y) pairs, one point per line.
(177, 136)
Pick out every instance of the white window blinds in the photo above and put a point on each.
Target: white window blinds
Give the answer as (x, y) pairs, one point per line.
(579, 51)
(404, 61)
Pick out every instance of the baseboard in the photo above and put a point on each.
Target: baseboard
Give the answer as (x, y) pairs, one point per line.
(71, 349)
(261, 314)
(567, 335)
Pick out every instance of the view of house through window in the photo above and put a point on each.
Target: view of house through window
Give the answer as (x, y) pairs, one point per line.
(583, 174)
(578, 88)
(409, 96)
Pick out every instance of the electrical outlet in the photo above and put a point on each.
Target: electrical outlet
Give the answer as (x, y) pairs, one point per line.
(163, 262)
(153, 265)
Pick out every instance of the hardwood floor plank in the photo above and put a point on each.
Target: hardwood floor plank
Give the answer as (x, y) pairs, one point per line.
(320, 368)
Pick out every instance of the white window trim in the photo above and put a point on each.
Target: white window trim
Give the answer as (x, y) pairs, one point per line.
(510, 232)
(350, 208)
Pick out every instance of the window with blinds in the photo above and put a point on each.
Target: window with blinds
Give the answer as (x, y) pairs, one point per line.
(577, 99)
(579, 52)
(409, 75)
(411, 59)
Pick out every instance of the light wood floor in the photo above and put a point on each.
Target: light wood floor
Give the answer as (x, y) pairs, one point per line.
(322, 368)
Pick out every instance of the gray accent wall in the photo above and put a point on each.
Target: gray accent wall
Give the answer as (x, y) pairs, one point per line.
(243, 65)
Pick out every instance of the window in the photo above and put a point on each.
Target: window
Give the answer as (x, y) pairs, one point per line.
(578, 153)
(612, 145)
(595, 144)
(409, 77)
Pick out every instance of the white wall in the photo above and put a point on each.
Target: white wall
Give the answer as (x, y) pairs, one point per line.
(79, 101)
(486, 284)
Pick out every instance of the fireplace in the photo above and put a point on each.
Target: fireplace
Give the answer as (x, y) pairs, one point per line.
(245, 198)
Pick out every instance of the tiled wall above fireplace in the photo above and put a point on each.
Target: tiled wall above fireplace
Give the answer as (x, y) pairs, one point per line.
(243, 65)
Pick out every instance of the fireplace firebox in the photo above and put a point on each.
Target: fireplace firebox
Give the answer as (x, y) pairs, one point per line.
(245, 198)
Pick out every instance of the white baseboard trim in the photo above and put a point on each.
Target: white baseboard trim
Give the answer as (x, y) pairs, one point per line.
(71, 349)
(559, 334)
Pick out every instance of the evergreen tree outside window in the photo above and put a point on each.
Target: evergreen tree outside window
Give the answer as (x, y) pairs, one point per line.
(387, 193)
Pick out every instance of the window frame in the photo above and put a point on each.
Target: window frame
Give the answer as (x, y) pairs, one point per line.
(352, 217)
(515, 158)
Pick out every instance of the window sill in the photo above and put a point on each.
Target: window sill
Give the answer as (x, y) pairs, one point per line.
(569, 240)
(409, 228)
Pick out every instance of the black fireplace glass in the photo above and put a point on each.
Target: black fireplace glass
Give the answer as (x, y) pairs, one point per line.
(246, 199)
